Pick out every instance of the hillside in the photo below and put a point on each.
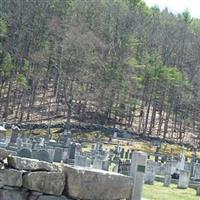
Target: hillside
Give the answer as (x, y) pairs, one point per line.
(117, 63)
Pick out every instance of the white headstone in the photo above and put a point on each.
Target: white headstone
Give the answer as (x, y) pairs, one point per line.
(137, 171)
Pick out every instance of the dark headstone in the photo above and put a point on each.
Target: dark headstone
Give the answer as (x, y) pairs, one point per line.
(26, 153)
(72, 151)
(122, 153)
(58, 156)
(43, 155)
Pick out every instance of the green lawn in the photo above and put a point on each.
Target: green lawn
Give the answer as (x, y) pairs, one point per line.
(158, 192)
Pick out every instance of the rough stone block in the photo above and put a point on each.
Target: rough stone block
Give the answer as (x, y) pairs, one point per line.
(11, 177)
(47, 197)
(45, 182)
(13, 194)
(30, 164)
(90, 184)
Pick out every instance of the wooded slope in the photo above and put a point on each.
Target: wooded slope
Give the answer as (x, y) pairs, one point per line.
(113, 62)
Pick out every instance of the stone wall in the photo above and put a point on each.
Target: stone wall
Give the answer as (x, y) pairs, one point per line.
(29, 179)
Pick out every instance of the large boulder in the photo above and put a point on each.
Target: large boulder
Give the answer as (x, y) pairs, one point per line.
(47, 197)
(45, 182)
(31, 164)
(11, 177)
(13, 194)
(90, 184)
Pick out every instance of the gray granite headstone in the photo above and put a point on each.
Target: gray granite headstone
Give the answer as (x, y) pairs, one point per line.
(97, 164)
(72, 150)
(24, 152)
(184, 178)
(105, 165)
(43, 155)
(137, 171)
(51, 152)
(58, 154)
(88, 162)
(80, 160)
(167, 176)
(150, 172)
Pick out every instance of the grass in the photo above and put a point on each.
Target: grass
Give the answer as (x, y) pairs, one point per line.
(158, 192)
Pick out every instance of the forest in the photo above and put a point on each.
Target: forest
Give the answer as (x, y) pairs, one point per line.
(118, 63)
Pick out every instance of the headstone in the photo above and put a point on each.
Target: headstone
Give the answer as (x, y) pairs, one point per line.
(122, 153)
(51, 152)
(181, 162)
(188, 167)
(78, 148)
(184, 178)
(137, 171)
(196, 171)
(72, 150)
(150, 172)
(115, 135)
(88, 162)
(124, 167)
(14, 135)
(126, 154)
(43, 155)
(156, 158)
(80, 160)
(116, 168)
(24, 152)
(58, 154)
(105, 165)
(97, 164)
(167, 177)
(65, 155)
(130, 154)
(198, 190)
(19, 142)
(41, 144)
(2, 134)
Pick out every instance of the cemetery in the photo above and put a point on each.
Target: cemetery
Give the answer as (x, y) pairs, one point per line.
(67, 167)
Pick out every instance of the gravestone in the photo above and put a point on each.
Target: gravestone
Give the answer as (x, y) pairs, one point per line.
(184, 178)
(150, 172)
(78, 148)
(65, 155)
(137, 171)
(43, 155)
(88, 162)
(51, 152)
(174, 166)
(115, 135)
(19, 142)
(80, 160)
(122, 153)
(105, 165)
(14, 135)
(196, 171)
(124, 167)
(24, 152)
(167, 177)
(2, 134)
(130, 154)
(126, 154)
(116, 168)
(188, 167)
(181, 162)
(72, 150)
(97, 164)
(198, 190)
(156, 158)
(58, 155)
